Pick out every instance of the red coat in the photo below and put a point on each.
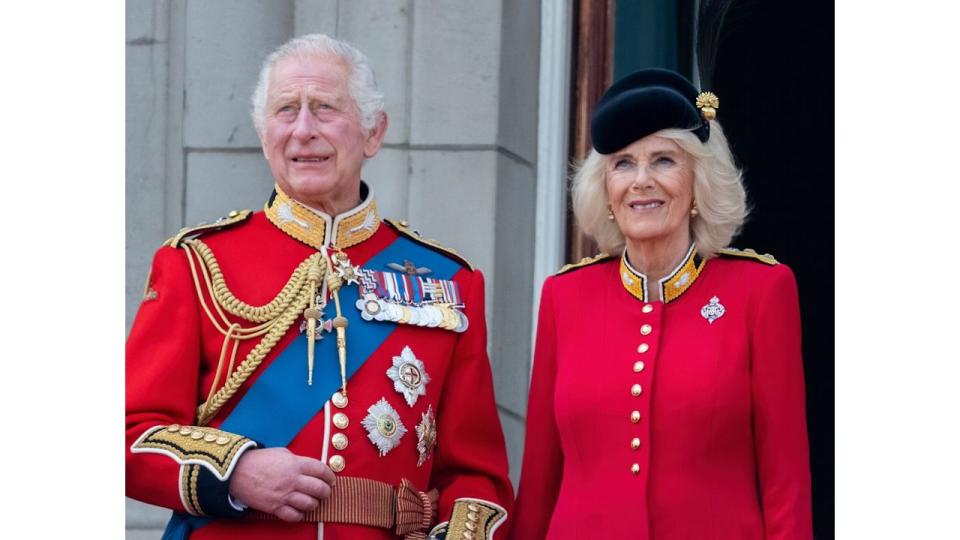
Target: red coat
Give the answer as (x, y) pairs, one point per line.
(693, 430)
(173, 351)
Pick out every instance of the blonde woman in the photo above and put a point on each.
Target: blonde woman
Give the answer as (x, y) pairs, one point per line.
(667, 398)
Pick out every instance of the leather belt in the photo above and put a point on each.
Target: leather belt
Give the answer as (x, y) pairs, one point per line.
(362, 501)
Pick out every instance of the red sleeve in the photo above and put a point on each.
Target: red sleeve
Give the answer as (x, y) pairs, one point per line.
(167, 467)
(470, 455)
(163, 366)
(779, 417)
(542, 456)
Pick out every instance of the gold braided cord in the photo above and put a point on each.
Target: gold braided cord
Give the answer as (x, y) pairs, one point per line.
(235, 306)
(240, 333)
(246, 368)
(276, 317)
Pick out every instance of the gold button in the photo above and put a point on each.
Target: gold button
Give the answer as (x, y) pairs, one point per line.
(210, 437)
(646, 329)
(337, 463)
(473, 507)
(197, 435)
(404, 223)
(638, 366)
(340, 420)
(339, 441)
(635, 416)
(339, 400)
(635, 469)
(635, 390)
(643, 348)
(648, 308)
(185, 430)
(470, 525)
(635, 443)
(472, 516)
(222, 440)
(173, 427)
(468, 535)
(233, 213)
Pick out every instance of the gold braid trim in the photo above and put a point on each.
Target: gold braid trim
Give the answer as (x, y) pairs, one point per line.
(276, 317)
(207, 411)
(221, 293)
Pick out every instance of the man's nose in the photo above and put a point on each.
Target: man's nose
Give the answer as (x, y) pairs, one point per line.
(306, 125)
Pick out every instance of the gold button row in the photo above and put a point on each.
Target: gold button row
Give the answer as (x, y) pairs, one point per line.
(197, 434)
(339, 441)
(473, 518)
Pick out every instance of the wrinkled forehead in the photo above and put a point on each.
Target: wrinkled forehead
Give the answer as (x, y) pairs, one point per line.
(320, 72)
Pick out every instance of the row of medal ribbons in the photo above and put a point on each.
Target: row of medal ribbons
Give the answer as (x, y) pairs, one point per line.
(411, 299)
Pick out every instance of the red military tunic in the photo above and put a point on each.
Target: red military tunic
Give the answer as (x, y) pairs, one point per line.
(381, 432)
(668, 420)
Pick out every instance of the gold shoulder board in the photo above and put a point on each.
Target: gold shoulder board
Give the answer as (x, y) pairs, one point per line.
(748, 253)
(586, 261)
(234, 217)
(404, 228)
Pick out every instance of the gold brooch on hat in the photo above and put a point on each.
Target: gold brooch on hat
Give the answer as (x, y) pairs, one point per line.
(708, 103)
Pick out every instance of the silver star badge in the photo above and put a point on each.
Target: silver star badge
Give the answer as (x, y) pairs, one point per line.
(383, 426)
(713, 311)
(409, 376)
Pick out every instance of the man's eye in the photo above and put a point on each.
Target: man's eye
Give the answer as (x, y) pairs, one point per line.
(286, 109)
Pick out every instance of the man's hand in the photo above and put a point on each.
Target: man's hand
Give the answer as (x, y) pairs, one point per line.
(276, 481)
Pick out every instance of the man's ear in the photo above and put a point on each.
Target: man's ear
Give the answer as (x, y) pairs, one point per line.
(373, 140)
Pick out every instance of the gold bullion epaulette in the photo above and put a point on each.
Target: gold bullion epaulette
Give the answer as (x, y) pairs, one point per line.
(584, 262)
(403, 228)
(234, 217)
(748, 253)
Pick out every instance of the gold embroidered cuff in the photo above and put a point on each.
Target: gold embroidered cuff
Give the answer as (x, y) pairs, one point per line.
(474, 519)
(217, 451)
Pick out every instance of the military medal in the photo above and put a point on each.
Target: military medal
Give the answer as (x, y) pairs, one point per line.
(410, 298)
(426, 435)
(409, 376)
(408, 267)
(713, 311)
(383, 426)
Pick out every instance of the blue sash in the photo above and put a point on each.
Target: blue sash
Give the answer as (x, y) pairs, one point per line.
(279, 404)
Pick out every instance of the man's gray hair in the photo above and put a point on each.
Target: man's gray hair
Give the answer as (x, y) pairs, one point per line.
(363, 84)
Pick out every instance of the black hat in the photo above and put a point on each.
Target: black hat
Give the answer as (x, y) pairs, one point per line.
(645, 102)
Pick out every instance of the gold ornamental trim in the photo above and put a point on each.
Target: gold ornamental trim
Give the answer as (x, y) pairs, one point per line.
(234, 217)
(748, 253)
(671, 286)
(311, 226)
(403, 228)
(475, 519)
(584, 262)
(214, 449)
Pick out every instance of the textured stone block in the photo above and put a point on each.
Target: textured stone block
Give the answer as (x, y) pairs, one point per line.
(146, 516)
(388, 173)
(313, 16)
(455, 90)
(226, 43)
(513, 297)
(381, 29)
(218, 182)
(519, 78)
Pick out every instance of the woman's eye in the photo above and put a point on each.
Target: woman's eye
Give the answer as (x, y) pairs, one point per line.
(621, 164)
(663, 160)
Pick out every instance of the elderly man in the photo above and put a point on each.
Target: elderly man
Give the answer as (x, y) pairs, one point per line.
(311, 371)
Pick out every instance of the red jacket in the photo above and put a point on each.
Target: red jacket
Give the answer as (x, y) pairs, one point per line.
(667, 421)
(173, 351)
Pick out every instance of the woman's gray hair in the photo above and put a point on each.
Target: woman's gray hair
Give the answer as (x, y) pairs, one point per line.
(363, 84)
(717, 189)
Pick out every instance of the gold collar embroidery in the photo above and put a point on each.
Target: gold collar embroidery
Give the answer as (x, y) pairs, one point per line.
(671, 286)
(318, 229)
